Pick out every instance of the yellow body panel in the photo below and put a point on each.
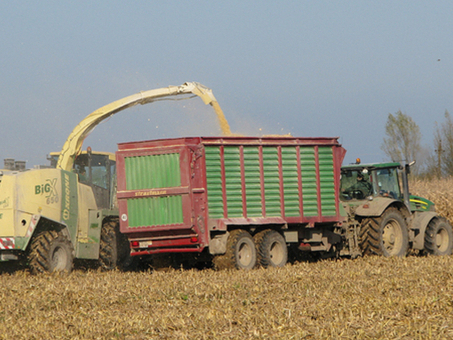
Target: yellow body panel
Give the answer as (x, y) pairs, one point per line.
(23, 194)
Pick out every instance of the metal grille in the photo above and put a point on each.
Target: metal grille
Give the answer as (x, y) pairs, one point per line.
(150, 211)
(290, 181)
(154, 171)
(214, 181)
(326, 174)
(271, 181)
(252, 181)
(233, 181)
(309, 182)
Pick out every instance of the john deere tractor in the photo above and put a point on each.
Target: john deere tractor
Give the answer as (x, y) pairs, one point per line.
(384, 218)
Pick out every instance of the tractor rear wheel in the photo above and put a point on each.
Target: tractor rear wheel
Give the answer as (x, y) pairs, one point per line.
(51, 251)
(114, 249)
(439, 237)
(240, 252)
(386, 235)
(271, 249)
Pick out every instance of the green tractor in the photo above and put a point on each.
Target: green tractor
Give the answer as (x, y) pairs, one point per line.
(384, 218)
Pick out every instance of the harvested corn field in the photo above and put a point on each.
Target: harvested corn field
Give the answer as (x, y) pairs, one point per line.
(366, 298)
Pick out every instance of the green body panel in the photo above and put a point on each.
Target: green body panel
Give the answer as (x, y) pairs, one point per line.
(233, 181)
(148, 211)
(154, 172)
(309, 181)
(371, 166)
(268, 180)
(89, 249)
(290, 181)
(271, 182)
(69, 202)
(420, 203)
(252, 181)
(327, 185)
(214, 181)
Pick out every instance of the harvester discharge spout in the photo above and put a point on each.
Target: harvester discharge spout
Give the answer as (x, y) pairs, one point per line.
(73, 144)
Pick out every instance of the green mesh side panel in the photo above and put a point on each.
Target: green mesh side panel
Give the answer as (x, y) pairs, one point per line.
(252, 181)
(152, 171)
(214, 181)
(290, 181)
(327, 183)
(309, 183)
(233, 186)
(271, 181)
(149, 211)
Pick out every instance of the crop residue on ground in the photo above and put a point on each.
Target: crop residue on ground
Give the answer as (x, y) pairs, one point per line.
(366, 298)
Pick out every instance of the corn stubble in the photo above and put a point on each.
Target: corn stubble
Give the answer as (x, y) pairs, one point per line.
(366, 298)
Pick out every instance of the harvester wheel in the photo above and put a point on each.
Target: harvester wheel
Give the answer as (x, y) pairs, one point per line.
(386, 235)
(271, 249)
(439, 237)
(114, 249)
(240, 252)
(51, 251)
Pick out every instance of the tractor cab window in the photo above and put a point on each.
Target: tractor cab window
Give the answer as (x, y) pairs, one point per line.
(356, 184)
(359, 184)
(388, 183)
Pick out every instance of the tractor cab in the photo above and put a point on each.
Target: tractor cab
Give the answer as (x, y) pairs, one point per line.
(362, 181)
(389, 180)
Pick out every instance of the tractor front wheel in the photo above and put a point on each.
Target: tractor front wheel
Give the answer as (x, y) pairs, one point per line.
(439, 237)
(51, 251)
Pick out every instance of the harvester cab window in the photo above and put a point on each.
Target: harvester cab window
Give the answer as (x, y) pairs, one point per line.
(99, 171)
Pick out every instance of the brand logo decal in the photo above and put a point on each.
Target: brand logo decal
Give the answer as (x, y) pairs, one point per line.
(4, 203)
(151, 193)
(67, 198)
(48, 190)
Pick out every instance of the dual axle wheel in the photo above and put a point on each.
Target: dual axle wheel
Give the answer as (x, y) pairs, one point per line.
(267, 249)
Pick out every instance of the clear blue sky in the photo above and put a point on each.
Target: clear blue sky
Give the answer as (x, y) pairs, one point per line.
(309, 68)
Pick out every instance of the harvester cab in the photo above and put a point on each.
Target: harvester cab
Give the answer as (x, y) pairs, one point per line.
(97, 170)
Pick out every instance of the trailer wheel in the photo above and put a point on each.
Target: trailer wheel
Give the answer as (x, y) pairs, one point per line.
(240, 252)
(114, 249)
(271, 249)
(51, 251)
(386, 235)
(439, 237)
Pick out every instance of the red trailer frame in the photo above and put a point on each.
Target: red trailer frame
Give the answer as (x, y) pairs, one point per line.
(279, 160)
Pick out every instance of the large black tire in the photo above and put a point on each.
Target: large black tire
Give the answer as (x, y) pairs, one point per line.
(51, 251)
(386, 235)
(240, 252)
(271, 249)
(439, 237)
(114, 252)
